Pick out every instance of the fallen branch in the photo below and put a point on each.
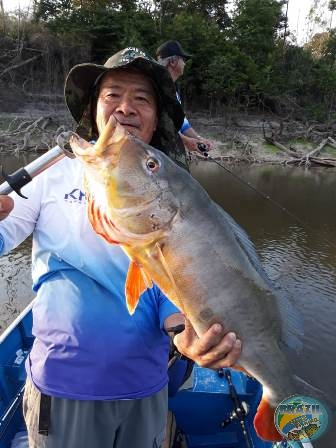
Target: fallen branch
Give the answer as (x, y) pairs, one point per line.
(319, 161)
(332, 142)
(323, 162)
(281, 147)
(29, 135)
(20, 64)
(278, 145)
(315, 151)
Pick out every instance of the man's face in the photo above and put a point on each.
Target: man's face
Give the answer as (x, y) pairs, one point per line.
(181, 64)
(130, 97)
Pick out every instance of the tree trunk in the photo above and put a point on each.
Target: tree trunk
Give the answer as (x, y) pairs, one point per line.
(2, 10)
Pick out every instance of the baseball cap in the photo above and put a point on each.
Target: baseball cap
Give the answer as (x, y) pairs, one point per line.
(172, 48)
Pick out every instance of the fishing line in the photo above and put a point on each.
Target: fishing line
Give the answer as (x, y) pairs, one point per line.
(202, 147)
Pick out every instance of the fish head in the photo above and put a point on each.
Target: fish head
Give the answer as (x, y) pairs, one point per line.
(128, 186)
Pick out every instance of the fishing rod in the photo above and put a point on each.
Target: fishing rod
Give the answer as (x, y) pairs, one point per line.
(21, 177)
(240, 408)
(204, 150)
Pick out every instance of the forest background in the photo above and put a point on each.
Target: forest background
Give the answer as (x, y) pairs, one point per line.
(244, 58)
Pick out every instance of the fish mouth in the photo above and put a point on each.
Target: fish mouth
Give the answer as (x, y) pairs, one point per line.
(109, 141)
(80, 147)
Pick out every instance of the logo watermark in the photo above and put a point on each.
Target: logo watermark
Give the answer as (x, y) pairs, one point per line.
(301, 418)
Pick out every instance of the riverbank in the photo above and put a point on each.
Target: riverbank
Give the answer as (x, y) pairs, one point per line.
(237, 137)
(262, 138)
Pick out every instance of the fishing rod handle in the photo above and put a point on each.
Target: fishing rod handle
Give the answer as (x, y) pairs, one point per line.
(203, 148)
(21, 177)
(5, 188)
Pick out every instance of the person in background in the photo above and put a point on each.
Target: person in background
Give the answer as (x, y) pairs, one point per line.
(172, 56)
(96, 376)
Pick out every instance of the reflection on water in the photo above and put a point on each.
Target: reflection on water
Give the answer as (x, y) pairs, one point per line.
(15, 276)
(15, 283)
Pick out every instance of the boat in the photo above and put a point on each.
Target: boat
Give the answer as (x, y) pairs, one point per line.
(15, 344)
(211, 410)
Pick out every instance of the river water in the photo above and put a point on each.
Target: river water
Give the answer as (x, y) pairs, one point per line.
(300, 259)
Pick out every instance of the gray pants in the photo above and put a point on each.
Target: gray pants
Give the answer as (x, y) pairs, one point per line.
(97, 424)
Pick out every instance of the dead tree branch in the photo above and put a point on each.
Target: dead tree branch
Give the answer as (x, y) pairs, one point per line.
(20, 64)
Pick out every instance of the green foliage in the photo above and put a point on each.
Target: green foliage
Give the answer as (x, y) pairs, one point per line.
(255, 27)
(271, 149)
(48, 10)
(230, 75)
(240, 59)
(330, 49)
(211, 10)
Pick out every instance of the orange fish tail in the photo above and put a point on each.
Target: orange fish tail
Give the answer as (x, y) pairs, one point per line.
(264, 422)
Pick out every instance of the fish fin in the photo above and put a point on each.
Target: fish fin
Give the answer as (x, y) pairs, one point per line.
(170, 276)
(292, 330)
(137, 282)
(305, 388)
(291, 318)
(246, 245)
(264, 422)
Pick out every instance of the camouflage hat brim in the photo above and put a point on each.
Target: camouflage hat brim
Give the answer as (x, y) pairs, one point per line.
(81, 80)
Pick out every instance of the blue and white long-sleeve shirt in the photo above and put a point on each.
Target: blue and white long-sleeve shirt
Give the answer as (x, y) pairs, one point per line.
(185, 125)
(87, 346)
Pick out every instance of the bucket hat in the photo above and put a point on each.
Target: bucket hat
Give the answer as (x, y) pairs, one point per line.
(82, 80)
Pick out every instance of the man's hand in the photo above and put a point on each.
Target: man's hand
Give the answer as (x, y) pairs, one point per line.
(6, 206)
(212, 350)
(208, 143)
(191, 143)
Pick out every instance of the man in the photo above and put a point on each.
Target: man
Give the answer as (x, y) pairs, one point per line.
(172, 56)
(97, 377)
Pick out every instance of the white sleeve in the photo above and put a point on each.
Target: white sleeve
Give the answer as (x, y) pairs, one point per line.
(22, 220)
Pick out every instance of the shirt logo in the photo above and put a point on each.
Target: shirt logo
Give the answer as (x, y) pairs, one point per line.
(75, 196)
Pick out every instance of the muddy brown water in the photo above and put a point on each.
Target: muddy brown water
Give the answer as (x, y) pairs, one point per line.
(300, 260)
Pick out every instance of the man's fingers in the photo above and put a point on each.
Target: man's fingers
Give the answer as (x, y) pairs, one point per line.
(210, 145)
(211, 338)
(185, 339)
(219, 350)
(214, 349)
(229, 360)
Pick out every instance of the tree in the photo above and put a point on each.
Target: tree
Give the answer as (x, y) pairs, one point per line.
(214, 11)
(332, 8)
(318, 44)
(256, 26)
(47, 10)
(201, 38)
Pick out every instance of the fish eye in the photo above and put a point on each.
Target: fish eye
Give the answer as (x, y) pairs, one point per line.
(152, 164)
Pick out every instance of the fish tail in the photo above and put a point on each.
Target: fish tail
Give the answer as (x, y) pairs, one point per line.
(264, 422)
